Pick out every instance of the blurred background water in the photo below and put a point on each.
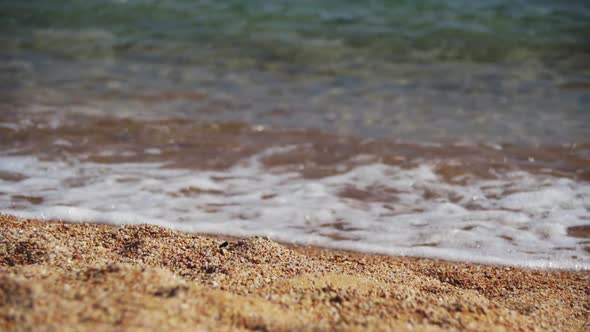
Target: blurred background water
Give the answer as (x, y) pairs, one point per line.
(423, 71)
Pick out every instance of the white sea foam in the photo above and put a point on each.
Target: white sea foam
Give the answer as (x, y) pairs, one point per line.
(517, 219)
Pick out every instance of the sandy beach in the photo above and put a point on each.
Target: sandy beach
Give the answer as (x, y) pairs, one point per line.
(63, 276)
(196, 165)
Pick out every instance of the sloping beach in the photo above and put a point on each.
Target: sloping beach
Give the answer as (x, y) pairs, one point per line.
(63, 276)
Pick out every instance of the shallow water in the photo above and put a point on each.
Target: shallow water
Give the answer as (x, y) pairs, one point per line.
(503, 204)
(453, 129)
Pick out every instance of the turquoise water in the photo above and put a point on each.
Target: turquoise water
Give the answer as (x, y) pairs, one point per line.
(349, 33)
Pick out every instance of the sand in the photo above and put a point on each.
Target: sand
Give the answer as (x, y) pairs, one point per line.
(61, 276)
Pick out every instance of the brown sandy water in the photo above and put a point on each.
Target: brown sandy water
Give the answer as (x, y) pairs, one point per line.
(219, 145)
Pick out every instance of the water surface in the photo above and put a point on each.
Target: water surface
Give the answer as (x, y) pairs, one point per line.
(446, 129)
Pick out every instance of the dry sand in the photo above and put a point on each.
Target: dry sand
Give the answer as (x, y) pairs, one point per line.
(59, 276)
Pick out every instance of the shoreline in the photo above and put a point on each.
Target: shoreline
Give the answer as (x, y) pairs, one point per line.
(94, 276)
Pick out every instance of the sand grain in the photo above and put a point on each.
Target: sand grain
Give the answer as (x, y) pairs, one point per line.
(55, 275)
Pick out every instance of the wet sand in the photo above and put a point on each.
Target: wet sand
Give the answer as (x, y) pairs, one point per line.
(62, 276)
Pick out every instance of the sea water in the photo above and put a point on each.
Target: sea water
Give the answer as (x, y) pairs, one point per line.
(444, 129)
